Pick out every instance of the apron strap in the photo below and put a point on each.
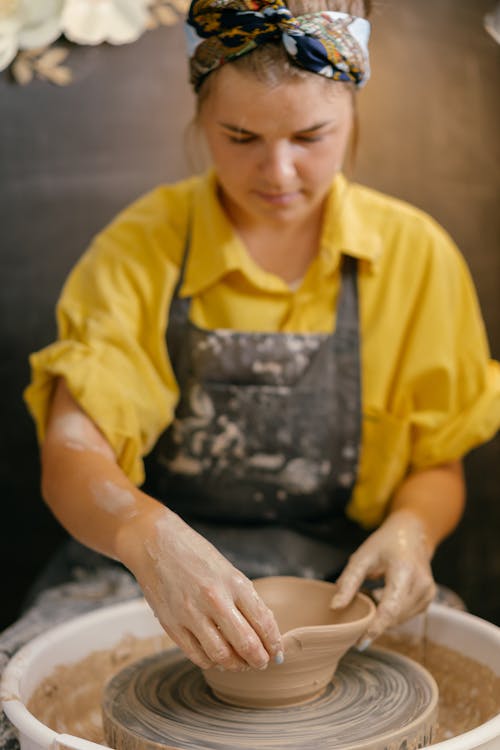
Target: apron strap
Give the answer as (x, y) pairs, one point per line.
(348, 357)
(184, 260)
(179, 310)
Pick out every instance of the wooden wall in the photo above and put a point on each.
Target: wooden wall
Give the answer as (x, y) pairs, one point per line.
(70, 158)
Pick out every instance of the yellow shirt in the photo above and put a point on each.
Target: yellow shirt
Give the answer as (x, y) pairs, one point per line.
(429, 390)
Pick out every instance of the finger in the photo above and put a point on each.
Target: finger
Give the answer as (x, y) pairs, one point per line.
(262, 620)
(350, 580)
(411, 600)
(415, 609)
(419, 602)
(190, 645)
(217, 648)
(393, 602)
(243, 638)
(221, 610)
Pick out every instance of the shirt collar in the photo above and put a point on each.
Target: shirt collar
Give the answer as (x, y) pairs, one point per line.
(214, 247)
(346, 228)
(216, 250)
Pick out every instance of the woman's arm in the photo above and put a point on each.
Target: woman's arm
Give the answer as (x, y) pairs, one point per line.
(437, 497)
(425, 509)
(206, 606)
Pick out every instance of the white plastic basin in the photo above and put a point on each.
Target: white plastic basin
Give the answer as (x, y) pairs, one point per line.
(72, 641)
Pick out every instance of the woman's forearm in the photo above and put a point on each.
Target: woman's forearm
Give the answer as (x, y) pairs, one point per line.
(81, 481)
(91, 497)
(436, 496)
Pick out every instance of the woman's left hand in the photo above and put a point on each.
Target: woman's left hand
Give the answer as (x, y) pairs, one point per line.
(399, 552)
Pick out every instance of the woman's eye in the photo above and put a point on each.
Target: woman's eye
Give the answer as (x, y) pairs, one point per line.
(308, 138)
(246, 139)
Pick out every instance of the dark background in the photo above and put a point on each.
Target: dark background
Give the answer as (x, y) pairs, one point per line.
(71, 158)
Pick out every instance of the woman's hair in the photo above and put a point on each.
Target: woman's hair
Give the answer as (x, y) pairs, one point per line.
(270, 62)
(271, 65)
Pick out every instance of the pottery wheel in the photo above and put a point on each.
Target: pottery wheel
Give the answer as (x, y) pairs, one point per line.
(376, 700)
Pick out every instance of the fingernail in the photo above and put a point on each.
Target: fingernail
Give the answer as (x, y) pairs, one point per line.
(219, 668)
(337, 601)
(264, 666)
(279, 658)
(365, 643)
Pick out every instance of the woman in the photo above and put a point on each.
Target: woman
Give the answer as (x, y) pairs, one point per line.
(303, 359)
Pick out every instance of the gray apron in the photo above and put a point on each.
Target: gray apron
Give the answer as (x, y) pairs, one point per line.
(261, 457)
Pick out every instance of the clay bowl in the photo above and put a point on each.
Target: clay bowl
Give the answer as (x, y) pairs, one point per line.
(315, 637)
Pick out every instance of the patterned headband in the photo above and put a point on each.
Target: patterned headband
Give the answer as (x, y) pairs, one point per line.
(334, 45)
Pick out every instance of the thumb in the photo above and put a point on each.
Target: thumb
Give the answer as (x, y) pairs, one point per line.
(348, 583)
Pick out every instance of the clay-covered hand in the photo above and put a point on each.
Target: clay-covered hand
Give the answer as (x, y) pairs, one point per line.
(208, 607)
(399, 552)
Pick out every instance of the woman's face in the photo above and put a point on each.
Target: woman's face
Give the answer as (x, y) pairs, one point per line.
(275, 150)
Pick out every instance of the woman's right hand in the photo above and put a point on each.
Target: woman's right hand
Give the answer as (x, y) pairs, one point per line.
(208, 607)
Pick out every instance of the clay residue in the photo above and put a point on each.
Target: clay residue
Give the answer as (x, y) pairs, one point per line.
(69, 699)
(113, 499)
(201, 403)
(302, 475)
(469, 692)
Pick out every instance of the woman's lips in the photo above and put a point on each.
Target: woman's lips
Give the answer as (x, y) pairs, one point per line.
(278, 199)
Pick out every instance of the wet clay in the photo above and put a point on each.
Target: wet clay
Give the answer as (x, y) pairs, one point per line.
(376, 700)
(69, 700)
(469, 692)
(315, 637)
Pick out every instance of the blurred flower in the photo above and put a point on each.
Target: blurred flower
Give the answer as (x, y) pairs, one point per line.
(29, 27)
(96, 21)
(27, 24)
(492, 23)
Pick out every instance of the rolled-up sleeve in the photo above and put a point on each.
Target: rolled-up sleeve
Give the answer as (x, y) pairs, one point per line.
(456, 385)
(111, 349)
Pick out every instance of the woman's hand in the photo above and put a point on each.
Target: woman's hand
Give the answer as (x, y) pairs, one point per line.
(400, 552)
(425, 509)
(208, 608)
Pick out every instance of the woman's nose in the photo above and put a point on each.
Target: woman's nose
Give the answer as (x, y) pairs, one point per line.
(278, 164)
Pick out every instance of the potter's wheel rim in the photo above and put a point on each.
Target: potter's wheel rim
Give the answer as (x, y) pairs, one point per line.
(204, 723)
